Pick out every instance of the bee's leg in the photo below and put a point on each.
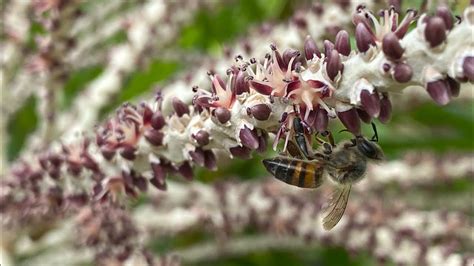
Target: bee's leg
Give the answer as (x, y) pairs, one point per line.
(326, 146)
(327, 134)
(352, 144)
(376, 135)
(321, 156)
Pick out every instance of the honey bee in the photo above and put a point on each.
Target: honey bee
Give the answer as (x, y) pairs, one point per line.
(343, 165)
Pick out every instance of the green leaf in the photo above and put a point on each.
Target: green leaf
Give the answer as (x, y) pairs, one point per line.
(77, 82)
(142, 81)
(21, 124)
(211, 27)
(430, 127)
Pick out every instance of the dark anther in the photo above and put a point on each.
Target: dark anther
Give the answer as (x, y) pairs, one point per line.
(295, 109)
(412, 10)
(272, 99)
(298, 67)
(360, 7)
(283, 117)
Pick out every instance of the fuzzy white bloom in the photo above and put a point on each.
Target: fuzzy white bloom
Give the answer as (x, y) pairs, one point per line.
(390, 233)
(358, 74)
(419, 168)
(124, 58)
(234, 118)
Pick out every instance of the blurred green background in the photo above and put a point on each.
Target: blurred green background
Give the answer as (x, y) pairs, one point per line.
(423, 126)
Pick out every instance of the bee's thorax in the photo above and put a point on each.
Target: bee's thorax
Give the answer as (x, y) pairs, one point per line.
(346, 165)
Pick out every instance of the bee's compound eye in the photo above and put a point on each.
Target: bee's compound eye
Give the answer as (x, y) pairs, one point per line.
(368, 149)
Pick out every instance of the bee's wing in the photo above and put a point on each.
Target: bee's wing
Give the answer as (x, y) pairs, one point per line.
(293, 150)
(337, 206)
(300, 173)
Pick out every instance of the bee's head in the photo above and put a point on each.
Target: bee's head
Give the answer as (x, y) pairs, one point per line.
(369, 148)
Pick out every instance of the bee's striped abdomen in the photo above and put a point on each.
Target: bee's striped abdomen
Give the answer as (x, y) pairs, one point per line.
(295, 172)
(280, 168)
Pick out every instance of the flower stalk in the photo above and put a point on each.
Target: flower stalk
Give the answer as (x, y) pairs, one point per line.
(235, 124)
(166, 136)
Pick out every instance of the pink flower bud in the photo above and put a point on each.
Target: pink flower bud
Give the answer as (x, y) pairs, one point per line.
(435, 31)
(370, 102)
(153, 136)
(202, 137)
(222, 114)
(385, 109)
(350, 119)
(249, 138)
(310, 48)
(364, 38)
(402, 73)
(334, 65)
(240, 152)
(342, 43)
(261, 111)
(439, 91)
(157, 120)
(186, 171)
(180, 107)
(159, 175)
(391, 46)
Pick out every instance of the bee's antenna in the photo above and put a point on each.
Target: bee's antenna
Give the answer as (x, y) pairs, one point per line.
(376, 136)
(346, 130)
